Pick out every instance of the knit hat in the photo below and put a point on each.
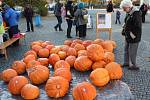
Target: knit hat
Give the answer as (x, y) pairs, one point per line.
(126, 3)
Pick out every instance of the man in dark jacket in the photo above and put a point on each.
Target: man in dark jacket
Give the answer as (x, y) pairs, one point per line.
(110, 7)
(132, 31)
(143, 9)
(57, 12)
(28, 13)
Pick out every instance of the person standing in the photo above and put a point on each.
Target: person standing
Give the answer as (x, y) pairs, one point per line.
(143, 9)
(69, 17)
(118, 17)
(57, 12)
(132, 31)
(110, 7)
(82, 19)
(28, 13)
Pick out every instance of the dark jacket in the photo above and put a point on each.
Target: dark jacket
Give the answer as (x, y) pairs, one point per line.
(69, 10)
(57, 10)
(144, 9)
(110, 8)
(133, 26)
(28, 12)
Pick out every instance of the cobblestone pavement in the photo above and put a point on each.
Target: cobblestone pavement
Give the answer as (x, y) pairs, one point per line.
(138, 81)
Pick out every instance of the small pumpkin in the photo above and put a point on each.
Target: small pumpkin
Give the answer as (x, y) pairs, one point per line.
(84, 91)
(38, 74)
(36, 48)
(30, 52)
(16, 84)
(68, 42)
(70, 60)
(36, 43)
(77, 41)
(30, 91)
(114, 69)
(62, 55)
(98, 64)
(61, 64)
(107, 46)
(64, 48)
(71, 52)
(79, 47)
(98, 41)
(29, 58)
(8, 74)
(43, 61)
(43, 53)
(49, 47)
(99, 77)
(53, 58)
(55, 50)
(19, 66)
(82, 53)
(57, 87)
(32, 63)
(87, 43)
(44, 44)
(109, 57)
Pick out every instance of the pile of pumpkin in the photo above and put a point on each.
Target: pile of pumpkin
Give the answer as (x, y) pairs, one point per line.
(81, 55)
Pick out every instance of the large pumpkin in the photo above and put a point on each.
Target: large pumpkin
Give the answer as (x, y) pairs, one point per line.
(57, 87)
(98, 64)
(29, 58)
(82, 53)
(62, 55)
(87, 43)
(63, 72)
(36, 48)
(71, 52)
(61, 64)
(8, 74)
(16, 84)
(84, 91)
(95, 52)
(43, 53)
(109, 57)
(83, 63)
(32, 63)
(30, 52)
(43, 61)
(79, 47)
(53, 58)
(107, 46)
(68, 42)
(38, 74)
(99, 77)
(70, 60)
(30, 91)
(114, 69)
(19, 66)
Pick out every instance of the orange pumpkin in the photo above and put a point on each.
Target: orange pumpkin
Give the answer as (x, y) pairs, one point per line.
(30, 91)
(83, 63)
(30, 52)
(55, 50)
(77, 41)
(107, 46)
(37, 43)
(70, 60)
(79, 47)
(57, 87)
(36, 48)
(29, 58)
(62, 55)
(43, 53)
(19, 66)
(114, 69)
(84, 91)
(63, 72)
(32, 63)
(44, 44)
(16, 84)
(71, 52)
(95, 52)
(43, 61)
(49, 47)
(61, 64)
(87, 43)
(98, 41)
(82, 53)
(99, 77)
(38, 74)
(98, 64)
(113, 43)
(109, 57)
(64, 48)
(53, 58)
(68, 42)
(8, 74)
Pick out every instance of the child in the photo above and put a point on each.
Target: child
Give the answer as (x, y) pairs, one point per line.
(118, 16)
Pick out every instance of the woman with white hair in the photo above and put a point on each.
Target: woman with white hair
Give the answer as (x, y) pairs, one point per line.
(132, 31)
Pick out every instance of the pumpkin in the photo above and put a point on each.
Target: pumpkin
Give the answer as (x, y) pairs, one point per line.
(63, 72)
(36, 43)
(99, 77)
(55, 50)
(8, 74)
(98, 41)
(98, 64)
(83, 63)
(32, 63)
(36, 48)
(62, 55)
(43, 61)
(107, 46)
(77, 41)
(61, 64)
(71, 52)
(30, 52)
(73, 45)
(53, 58)
(57, 87)
(113, 43)
(29, 58)
(95, 52)
(82, 53)
(38, 74)
(68, 42)
(64, 48)
(79, 47)
(16, 84)
(84, 91)
(19, 66)
(44, 44)
(109, 57)
(70, 60)
(87, 43)
(30, 91)
(43, 53)
(114, 69)
(49, 47)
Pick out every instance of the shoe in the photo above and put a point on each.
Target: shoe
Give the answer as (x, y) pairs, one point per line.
(125, 65)
(61, 30)
(133, 68)
(69, 37)
(55, 28)
(27, 31)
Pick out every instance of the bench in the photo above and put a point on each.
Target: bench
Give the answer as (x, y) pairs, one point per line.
(7, 43)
